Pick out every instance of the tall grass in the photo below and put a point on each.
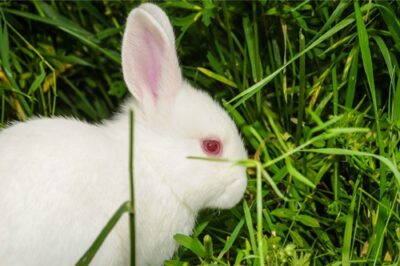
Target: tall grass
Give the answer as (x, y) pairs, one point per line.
(314, 87)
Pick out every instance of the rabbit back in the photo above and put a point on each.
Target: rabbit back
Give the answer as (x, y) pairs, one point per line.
(53, 172)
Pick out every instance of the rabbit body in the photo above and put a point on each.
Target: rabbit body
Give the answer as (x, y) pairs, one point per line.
(62, 179)
(84, 189)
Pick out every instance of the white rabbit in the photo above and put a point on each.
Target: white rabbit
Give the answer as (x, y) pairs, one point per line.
(62, 179)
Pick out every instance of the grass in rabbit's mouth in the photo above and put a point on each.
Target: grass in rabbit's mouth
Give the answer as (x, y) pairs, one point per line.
(313, 86)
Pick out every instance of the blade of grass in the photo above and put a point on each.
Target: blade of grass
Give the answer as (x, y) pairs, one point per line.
(352, 79)
(91, 252)
(341, 7)
(72, 31)
(217, 77)
(54, 79)
(391, 20)
(348, 231)
(249, 224)
(20, 104)
(297, 175)
(230, 42)
(208, 247)
(323, 136)
(369, 72)
(395, 104)
(302, 88)
(191, 243)
(125, 207)
(381, 237)
(259, 202)
(273, 185)
(339, 151)
(38, 80)
(246, 94)
(5, 51)
(229, 243)
(335, 177)
(385, 53)
(132, 231)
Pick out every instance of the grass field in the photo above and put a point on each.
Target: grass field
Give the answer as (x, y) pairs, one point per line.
(314, 87)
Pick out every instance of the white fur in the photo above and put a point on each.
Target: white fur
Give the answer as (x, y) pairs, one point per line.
(62, 179)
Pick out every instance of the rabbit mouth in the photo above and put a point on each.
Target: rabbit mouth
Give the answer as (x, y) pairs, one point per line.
(232, 194)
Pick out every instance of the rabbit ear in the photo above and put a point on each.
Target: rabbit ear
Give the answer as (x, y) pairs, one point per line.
(149, 61)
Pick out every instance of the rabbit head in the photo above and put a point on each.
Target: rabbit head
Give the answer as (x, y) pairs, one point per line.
(184, 121)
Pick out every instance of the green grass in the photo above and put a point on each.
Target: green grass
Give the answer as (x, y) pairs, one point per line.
(314, 87)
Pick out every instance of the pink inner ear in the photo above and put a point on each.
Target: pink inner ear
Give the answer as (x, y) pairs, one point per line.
(149, 61)
(152, 63)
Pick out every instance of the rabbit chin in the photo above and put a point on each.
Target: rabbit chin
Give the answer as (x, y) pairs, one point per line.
(232, 194)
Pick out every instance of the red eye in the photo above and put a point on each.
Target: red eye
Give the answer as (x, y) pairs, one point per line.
(212, 147)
